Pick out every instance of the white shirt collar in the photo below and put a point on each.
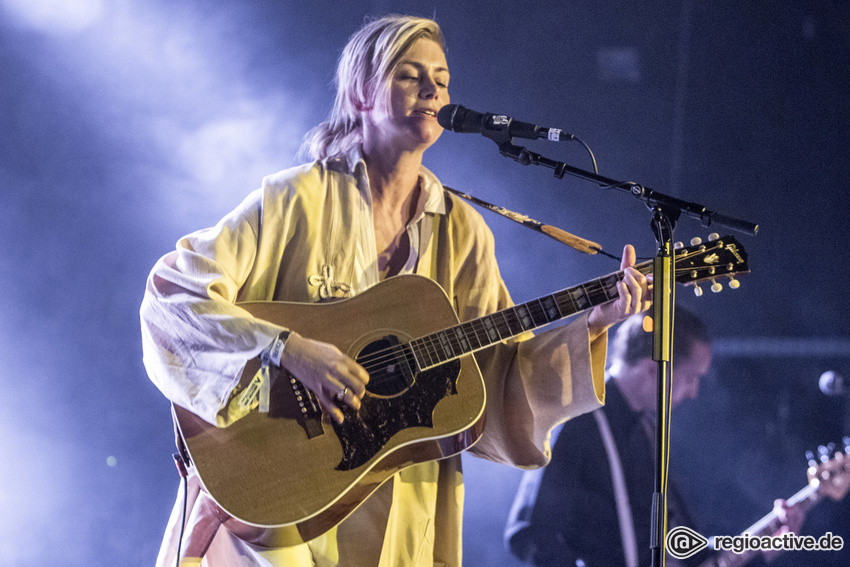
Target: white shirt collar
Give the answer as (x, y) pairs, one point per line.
(432, 189)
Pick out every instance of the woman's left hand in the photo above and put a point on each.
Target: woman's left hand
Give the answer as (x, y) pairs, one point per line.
(635, 296)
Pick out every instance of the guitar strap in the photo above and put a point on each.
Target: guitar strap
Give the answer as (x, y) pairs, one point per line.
(562, 236)
(621, 495)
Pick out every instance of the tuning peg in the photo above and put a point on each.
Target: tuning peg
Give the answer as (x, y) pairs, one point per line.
(716, 286)
(733, 283)
(697, 290)
(810, 458)
(696, 240)
(678, 245)
(713, 236)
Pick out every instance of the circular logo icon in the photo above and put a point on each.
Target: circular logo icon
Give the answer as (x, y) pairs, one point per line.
(684, 542)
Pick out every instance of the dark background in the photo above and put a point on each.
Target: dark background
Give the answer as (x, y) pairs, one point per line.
(126, 124)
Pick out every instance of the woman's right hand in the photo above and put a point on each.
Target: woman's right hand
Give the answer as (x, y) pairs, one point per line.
(329, 373)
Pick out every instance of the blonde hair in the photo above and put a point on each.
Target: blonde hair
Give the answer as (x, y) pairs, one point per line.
(363, 74)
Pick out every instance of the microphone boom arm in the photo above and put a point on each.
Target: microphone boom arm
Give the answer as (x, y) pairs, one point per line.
(652, 198)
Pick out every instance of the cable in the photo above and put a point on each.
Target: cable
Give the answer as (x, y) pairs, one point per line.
(184, 485)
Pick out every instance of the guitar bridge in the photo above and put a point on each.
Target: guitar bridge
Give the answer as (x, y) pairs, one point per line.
(301, 405)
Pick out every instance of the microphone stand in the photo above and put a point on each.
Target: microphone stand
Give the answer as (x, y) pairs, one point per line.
(665, 214)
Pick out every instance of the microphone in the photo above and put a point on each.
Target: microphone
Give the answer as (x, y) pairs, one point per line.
(832, 384)
(459, 119)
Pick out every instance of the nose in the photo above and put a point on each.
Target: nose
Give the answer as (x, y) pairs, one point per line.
(427, 87)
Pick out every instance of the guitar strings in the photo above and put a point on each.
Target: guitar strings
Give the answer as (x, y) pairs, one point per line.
(375, 360)
(433, 346)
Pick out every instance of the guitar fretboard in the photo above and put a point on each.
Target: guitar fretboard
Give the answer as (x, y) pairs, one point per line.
(449, 344)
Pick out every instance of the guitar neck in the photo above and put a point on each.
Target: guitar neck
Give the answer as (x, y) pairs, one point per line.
(472, 336)
(804, 500)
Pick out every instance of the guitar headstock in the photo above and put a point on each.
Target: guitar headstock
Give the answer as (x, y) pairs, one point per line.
(721, 256)
(831, 469)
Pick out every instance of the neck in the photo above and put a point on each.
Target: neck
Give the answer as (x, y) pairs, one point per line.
(393, 176)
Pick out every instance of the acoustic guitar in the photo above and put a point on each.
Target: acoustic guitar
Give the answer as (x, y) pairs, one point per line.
(289, 474)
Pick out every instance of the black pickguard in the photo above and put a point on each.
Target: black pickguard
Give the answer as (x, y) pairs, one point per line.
(365, 432)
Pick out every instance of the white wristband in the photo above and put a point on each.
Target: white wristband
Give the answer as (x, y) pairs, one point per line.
(276, 349)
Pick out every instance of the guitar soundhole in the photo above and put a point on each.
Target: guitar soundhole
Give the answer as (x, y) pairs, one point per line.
(390, 366)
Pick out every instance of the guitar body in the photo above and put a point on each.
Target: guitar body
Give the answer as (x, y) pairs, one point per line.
(290, 474)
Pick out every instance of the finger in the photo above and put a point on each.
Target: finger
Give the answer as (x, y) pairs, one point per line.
(635, 293)
(780, 510)
(352, 378)
(636, 284)
(359, 377)
(347, 396)
(625, 298)
(644, 289)
(629, 257)
(331, 398)
(330, 408)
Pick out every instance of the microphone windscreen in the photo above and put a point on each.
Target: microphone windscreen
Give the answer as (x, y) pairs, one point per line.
(446, 115)
(457, 118)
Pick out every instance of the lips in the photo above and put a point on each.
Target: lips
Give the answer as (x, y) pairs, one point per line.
(426, 112)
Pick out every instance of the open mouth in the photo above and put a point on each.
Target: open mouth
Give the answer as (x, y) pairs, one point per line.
(427, 112)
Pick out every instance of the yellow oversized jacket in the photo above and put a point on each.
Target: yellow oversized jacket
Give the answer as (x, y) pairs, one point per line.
(307, 235)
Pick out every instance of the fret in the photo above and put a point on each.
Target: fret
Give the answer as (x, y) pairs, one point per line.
(609, 286)
(421, 353)
(502, 326)
(526, 318)
(439, 353)
(457, 340)
(538, 313)
(445, 344)
(512, 322)
(431, 348)
(472, 335)
(550, 307)
(580, 298)
(565, 302)
(595, 293)
(432, 358)
(490, 329)
(484, 333)
(461, 339)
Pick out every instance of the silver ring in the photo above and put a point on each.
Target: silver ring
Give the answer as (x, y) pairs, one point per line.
(341, 395)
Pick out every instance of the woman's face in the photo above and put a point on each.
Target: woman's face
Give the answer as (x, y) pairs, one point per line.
(418, 89)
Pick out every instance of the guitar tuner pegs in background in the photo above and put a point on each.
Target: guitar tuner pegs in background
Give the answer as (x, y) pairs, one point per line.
(697, 290)
(696, 240)
(716, 286)
(678, 245)
(713, 236)
(733, 283)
